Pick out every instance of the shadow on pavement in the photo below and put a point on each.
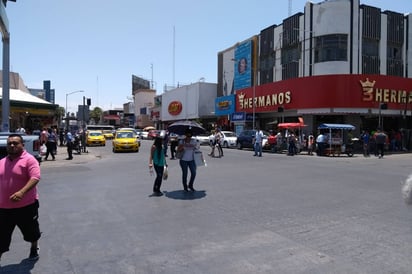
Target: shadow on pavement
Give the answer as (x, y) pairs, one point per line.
(24, 267)
(182, 195)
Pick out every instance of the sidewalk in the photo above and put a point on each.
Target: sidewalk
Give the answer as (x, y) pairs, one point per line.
(61, 156)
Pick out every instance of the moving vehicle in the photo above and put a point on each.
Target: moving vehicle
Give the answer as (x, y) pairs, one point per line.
(108, 134)
(95, 138)
(125, 140)
(107, 130)
(100, 127)
(135, 131)
(246, 139)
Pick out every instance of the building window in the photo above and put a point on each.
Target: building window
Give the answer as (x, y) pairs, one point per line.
(370, 47)
(331, 48)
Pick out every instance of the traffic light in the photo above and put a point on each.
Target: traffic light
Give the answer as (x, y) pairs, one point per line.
(280, 109)
(89, 101)
(383, 106)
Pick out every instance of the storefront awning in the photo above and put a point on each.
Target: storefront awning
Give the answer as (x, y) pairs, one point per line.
(332, 110)
(111, 117)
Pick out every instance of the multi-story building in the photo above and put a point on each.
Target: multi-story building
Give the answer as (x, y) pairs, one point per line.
(337, 61)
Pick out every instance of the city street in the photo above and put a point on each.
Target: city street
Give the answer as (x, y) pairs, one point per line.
(270, 214)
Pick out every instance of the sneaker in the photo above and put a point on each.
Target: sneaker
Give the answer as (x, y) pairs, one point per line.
(34, 253)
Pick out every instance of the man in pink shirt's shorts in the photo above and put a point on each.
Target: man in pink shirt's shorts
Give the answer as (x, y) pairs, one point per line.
(19, 176)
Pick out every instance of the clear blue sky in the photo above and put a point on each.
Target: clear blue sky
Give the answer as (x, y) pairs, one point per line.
(96, 45)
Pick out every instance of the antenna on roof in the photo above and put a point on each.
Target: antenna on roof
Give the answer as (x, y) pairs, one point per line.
(290, 8)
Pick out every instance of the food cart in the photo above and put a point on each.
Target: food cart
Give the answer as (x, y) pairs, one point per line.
(297, 129)
(336, 137)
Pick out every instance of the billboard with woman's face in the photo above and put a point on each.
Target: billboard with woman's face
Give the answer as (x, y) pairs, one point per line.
(243, 65)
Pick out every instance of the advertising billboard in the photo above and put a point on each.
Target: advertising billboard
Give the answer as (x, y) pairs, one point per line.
(243, 65)
(225, 105)
(139, 83)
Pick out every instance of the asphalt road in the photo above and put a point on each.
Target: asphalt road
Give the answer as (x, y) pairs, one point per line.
(274, 214)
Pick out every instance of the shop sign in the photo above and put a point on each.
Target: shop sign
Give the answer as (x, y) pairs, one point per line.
(175, 108)
(264, 101)
(385, 95)
(238, 116)
(224, 105)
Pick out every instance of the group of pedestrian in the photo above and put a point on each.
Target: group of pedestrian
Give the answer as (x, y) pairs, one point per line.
(48, 137)
(216, 144)
(375, 143)
(157, 161)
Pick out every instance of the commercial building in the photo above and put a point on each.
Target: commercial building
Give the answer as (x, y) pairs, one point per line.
(190, 102)
(26, 110)
(336, 62)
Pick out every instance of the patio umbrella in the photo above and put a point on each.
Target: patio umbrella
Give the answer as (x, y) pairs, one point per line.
(149, 128)
(181, 127)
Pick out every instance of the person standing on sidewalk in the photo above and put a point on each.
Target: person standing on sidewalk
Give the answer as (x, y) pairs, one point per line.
(69, 144)
(19, 176)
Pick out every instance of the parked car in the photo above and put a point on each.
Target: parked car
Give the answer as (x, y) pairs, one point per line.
(95, 138)
(31, 145)
(228, 139)
(203, 139)
(125, 140)
(245, 139)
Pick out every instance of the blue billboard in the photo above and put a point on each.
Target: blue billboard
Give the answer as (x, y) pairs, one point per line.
(224, 105)
(243, 66)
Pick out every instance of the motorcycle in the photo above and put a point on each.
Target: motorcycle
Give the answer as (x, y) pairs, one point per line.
(77, 144)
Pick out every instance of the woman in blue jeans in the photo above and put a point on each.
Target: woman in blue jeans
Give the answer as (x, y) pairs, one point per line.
(188, 146)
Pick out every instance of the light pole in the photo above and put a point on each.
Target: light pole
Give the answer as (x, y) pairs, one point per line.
(67, 117)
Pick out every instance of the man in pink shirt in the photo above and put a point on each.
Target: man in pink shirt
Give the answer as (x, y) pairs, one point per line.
(19, 176)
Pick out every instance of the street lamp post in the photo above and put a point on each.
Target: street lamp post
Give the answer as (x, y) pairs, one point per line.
(67, 116)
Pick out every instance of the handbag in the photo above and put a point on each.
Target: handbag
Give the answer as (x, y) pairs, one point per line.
(198, 157)
(165, 173)
(43, 150)
(179, 154)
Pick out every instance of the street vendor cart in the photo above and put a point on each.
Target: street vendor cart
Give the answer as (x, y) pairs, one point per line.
(338, 140)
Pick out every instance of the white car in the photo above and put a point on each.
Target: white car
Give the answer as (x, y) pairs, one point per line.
(203, 139)
(229, 139)
(144, 135)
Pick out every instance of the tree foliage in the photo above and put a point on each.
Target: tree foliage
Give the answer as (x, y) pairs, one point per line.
(96, 114)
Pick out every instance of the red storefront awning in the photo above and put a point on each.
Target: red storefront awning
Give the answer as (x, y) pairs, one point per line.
(111, 117)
